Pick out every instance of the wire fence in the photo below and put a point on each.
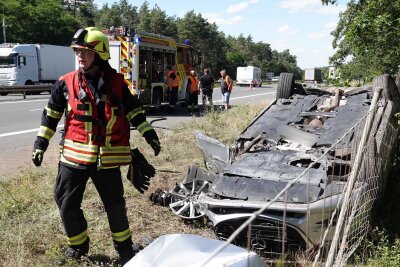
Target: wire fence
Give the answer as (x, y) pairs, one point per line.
(356, 166)
(369, 174)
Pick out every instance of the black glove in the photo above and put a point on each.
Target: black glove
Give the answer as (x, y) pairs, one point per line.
(152, 139)
(140, 171)
(37, 156)
(39, 147)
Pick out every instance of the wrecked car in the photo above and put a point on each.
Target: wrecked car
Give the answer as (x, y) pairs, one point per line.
(305, 134)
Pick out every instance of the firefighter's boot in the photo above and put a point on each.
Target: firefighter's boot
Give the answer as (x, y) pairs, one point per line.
(125, 255)
(125, 251)
(76, 252)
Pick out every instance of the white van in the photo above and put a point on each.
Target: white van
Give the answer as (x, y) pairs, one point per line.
(248, 75)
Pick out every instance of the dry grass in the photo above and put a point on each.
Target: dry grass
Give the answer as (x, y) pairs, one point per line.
(31, 230)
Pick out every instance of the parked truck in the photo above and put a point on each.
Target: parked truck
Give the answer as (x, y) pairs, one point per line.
(313, 75)
(248, 75)
(33, 64)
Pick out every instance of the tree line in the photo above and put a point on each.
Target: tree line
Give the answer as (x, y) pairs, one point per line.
(55, 21)
(366, 39)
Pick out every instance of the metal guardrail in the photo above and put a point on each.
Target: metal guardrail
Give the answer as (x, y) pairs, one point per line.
(24, 89)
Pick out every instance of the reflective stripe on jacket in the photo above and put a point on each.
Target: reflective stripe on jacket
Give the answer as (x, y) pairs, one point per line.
(88, 139)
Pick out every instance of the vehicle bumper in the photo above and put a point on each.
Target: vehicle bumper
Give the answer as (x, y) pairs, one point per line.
(305, 224)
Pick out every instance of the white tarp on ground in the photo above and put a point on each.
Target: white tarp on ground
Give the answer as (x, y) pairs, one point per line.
(178, 250)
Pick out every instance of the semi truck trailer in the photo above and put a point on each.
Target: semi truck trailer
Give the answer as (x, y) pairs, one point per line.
(34, 64)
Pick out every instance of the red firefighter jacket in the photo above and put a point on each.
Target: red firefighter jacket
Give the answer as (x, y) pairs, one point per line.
(87, 138)
(90, 138)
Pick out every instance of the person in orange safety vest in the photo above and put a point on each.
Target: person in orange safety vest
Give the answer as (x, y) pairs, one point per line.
(98, 108)
(173, 86)
(226, 88)
(193, 91)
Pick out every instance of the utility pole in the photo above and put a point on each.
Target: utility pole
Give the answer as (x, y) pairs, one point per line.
(4, 30)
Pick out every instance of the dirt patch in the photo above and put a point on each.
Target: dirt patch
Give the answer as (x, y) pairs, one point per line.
(13, 160)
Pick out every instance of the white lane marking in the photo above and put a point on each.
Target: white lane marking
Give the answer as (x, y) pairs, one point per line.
(37, 109)
(25, 131)
(37, 129)
(24, 101)
(247, 96)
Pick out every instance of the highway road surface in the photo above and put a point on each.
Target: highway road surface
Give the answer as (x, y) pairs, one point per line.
(20, 121)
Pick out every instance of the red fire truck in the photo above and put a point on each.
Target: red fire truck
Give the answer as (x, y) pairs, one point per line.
(143, 58)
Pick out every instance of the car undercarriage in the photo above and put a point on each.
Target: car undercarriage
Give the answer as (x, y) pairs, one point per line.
(303, 144)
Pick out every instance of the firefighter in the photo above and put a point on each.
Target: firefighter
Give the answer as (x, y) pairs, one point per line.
(173, 86)
(193, 90)
(98, 107)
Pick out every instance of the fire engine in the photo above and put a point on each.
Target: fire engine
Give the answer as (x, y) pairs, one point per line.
(143, 58)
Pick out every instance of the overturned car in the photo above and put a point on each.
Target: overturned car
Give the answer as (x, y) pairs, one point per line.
(307, 139)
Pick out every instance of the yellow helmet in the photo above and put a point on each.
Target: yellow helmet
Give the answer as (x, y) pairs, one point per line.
(93, 39)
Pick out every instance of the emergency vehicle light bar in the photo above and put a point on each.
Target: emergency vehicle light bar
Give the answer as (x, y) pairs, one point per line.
(8, 45)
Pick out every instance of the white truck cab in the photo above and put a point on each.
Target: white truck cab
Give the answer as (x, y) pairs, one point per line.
(18, 64)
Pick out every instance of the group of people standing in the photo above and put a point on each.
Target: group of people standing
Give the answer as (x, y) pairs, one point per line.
(195, 85)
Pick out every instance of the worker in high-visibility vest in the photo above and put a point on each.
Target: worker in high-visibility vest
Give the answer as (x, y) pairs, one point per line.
(173, 86)
(226, 88)
(193, 91)
(98, 108)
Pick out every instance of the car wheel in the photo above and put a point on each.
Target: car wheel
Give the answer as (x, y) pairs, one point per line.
(184, 199)
(285, 86)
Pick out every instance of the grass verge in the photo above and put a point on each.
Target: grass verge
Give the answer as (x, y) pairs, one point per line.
(31, 230)
(32, 234)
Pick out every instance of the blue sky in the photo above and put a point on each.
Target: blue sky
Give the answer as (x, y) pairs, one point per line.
(302, 26)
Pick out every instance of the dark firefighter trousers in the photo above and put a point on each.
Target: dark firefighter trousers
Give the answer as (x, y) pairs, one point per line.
(173, 96)
(69, 189)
